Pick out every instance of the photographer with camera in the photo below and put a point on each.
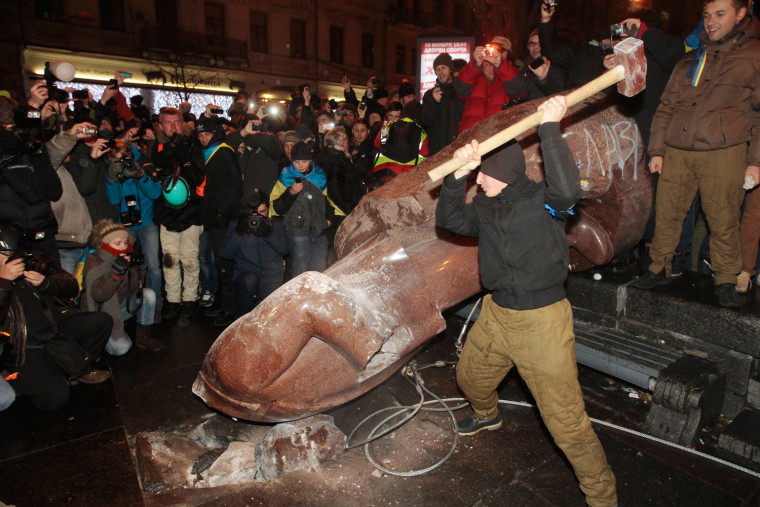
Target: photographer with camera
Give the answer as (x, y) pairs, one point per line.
(131, 189)
(257, 244)
(113, 281)
(260, 157)
(376, 95)
(178, 214)
(488, 81)
(580, 65)
(28, 181)
(47, 347)
(219, 207)
(441, 107)
(71, 212)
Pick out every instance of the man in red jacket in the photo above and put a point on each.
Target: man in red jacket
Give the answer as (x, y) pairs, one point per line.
(488, 81)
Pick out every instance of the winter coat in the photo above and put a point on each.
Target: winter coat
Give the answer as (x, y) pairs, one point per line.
(104, 291)
(441, 119)
(307, 212)
(721, 110)
(28, 184)
(89, 176)
(259, 161)
(29, 314)
(345, 185)
(522, 252)
(223, 188)
(145, 190)
(581, 64)
(484, 98)
(257, 254)
(71, 212)
(177, 220)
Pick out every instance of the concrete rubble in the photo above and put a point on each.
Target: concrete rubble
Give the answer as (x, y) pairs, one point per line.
(218, 452)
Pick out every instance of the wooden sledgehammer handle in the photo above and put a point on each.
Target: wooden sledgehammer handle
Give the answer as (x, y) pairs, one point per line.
(615, 75)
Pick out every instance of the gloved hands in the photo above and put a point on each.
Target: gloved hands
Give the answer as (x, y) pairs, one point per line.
(120, 266)
(115, 168)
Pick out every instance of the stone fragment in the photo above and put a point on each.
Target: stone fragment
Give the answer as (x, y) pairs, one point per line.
(299, 445)
(237, 465)
(167, 461)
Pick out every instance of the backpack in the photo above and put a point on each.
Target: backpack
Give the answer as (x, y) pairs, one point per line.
(403, 141)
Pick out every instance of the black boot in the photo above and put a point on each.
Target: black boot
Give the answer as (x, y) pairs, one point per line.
(145, 340)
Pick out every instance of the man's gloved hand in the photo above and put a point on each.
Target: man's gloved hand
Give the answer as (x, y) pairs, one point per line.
(115, 168)
(120, 266)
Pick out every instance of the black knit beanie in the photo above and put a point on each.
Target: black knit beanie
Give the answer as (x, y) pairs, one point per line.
(506, 165)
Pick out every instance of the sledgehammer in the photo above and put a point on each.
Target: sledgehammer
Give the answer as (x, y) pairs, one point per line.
(629, 74)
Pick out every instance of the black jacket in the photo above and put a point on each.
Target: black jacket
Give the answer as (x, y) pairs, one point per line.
(89, 175)
(259, 162)
(580, 64)
(345, 184)
(441, 119)
(223, 188)
(27, 185)
(522, 251)
(29, 314)
(167, 155)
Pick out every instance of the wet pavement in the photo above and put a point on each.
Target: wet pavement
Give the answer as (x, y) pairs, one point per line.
(86, 453)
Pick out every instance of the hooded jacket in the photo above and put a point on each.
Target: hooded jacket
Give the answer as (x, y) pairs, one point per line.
(522, 251)
(713, 95)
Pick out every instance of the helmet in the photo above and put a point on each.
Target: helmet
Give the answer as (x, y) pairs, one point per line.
(176, 192)
(11, 237)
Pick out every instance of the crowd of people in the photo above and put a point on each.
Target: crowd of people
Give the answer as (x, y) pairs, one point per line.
(109, 211)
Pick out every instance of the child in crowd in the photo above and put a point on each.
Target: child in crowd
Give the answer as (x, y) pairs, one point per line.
(113, 283)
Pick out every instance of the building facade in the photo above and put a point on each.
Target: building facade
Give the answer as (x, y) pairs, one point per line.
(265, 48)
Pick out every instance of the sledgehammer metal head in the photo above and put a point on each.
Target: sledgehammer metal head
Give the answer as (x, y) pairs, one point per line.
(629, 53)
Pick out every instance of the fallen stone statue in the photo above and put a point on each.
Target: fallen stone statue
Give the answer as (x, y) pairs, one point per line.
(323, 339)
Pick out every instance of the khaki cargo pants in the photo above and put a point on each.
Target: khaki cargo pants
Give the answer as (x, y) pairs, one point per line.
(718, 175)
(541, 344)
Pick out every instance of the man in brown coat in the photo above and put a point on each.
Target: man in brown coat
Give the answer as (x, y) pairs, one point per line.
(699, 142)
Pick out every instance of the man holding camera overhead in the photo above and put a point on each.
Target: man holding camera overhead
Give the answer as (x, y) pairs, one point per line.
(488, 81)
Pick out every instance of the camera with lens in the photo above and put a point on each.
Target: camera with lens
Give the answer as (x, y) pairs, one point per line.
(132, 215)
(19, 140)
(138, 261)
(253, 223)
(33, 261)
(127, 168)
(618, 30)
(378, 81)
(54, 92)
